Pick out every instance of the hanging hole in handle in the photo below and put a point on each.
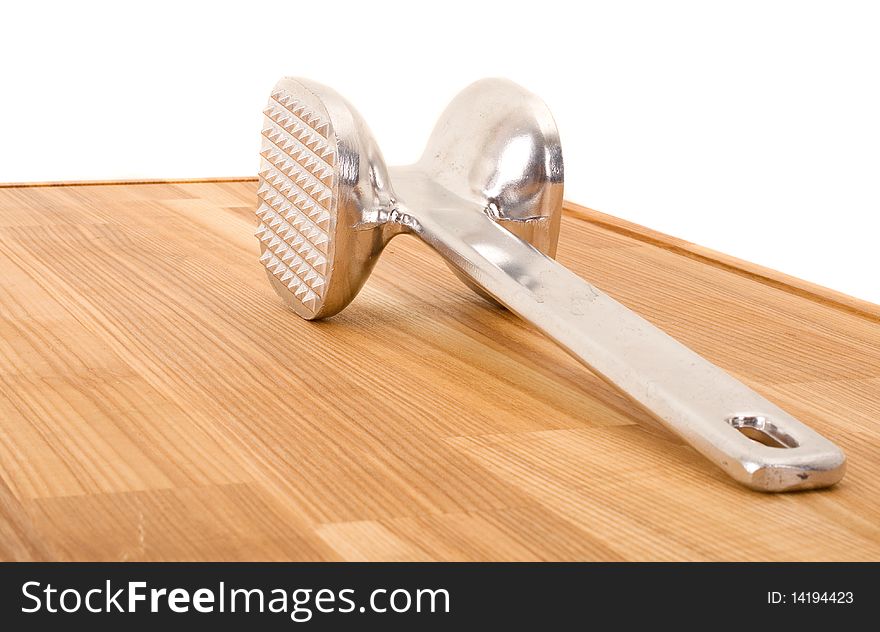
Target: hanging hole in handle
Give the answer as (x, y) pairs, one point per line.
(760, 429)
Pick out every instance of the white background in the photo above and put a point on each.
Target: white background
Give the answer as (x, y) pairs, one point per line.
(749, 127)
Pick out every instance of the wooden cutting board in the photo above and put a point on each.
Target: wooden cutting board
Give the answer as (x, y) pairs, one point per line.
(157, 402)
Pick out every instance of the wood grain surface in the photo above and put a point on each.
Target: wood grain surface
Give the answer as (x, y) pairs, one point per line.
(157, 401)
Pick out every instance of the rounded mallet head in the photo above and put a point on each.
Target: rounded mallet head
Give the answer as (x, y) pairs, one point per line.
(320, 170)
(496, 145)
(327, 207)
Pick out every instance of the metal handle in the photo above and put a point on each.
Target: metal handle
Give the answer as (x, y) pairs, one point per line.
(712, 411)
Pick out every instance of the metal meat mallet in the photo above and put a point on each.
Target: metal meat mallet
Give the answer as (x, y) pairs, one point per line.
(487, 196)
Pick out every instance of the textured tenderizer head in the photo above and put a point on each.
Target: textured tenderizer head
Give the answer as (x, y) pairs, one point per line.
(319, 170)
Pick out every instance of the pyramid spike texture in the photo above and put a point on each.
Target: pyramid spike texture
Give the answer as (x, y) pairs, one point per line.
(297, 178)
